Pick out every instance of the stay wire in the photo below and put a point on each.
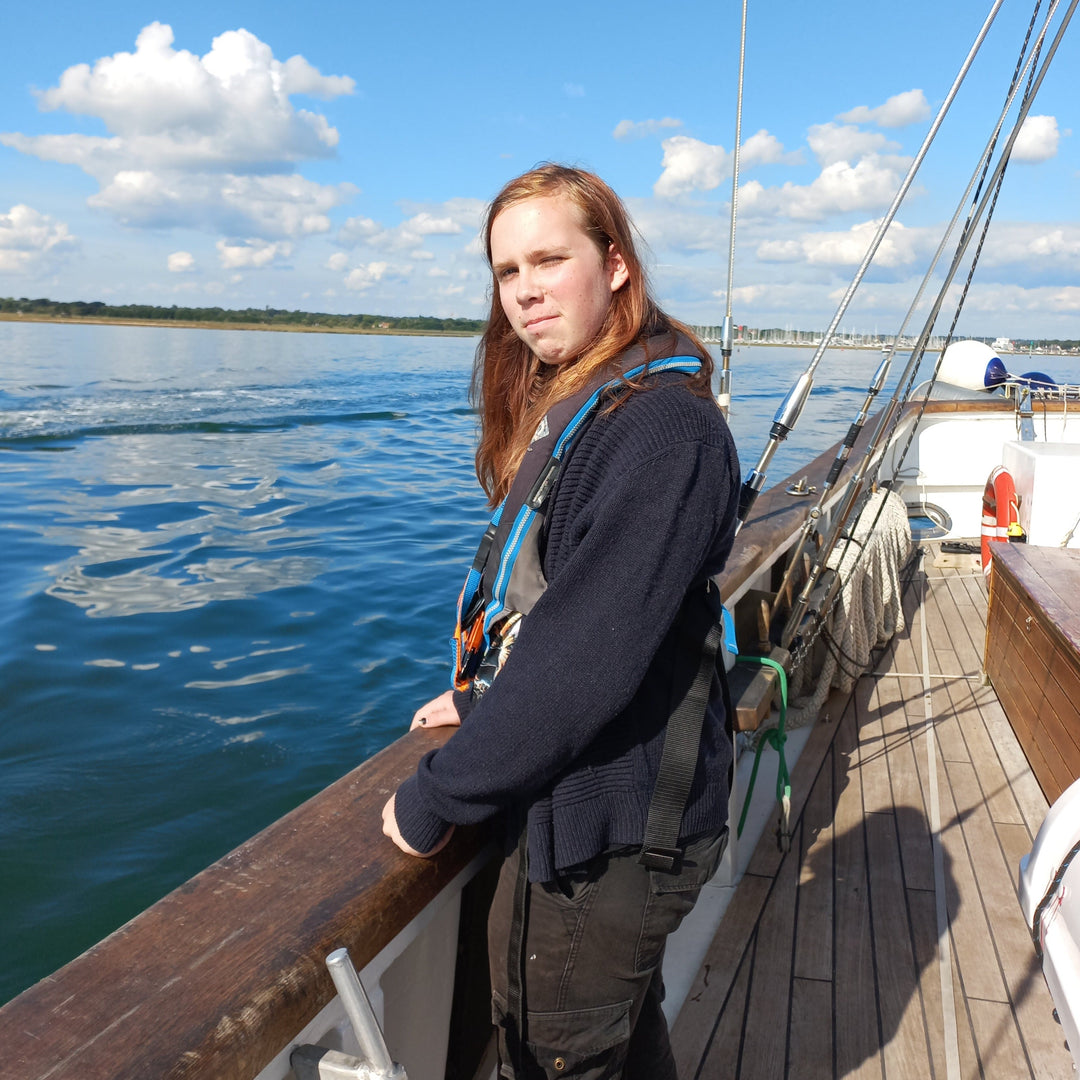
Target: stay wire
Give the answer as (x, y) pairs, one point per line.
(877, 383)
(735, 163)
(727, 333)
(1035, 78)
(891, 420)
(788, 415)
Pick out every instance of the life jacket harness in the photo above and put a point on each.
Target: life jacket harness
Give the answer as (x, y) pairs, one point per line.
(506, 579)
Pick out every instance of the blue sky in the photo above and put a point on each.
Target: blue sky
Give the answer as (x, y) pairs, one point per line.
(338, 157)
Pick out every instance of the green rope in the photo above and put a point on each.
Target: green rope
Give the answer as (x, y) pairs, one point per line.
(774, 737)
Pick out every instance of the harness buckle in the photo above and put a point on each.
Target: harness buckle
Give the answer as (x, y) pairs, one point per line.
(666, 859)
(544, 483)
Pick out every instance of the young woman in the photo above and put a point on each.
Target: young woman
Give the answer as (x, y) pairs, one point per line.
(564, 740)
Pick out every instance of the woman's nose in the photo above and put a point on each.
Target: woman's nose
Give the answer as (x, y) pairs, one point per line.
(528, 286)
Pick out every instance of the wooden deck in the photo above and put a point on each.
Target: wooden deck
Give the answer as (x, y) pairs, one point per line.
(889, 943)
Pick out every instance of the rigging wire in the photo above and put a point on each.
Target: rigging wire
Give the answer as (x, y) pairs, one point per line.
(787, 415)
(727, 334)
(890, 417)
(980, 171)
(990, 197)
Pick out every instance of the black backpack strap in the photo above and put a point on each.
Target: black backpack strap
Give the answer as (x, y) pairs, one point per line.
(703, 626)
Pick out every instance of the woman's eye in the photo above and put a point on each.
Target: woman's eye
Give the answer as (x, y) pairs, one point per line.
(507, 272)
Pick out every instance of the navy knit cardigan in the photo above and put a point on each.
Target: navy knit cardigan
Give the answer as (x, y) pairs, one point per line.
(571, 733)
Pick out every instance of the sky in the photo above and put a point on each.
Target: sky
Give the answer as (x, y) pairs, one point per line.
(338, 156)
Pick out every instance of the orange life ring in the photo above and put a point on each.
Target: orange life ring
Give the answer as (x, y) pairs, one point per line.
(1000, 510)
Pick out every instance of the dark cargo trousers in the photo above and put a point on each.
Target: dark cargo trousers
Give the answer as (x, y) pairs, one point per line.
(590, 946)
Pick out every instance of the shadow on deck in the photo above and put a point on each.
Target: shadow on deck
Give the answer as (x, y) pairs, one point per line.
(890, 943)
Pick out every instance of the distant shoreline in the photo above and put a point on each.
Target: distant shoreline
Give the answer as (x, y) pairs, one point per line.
(187, 324)
(295, 328)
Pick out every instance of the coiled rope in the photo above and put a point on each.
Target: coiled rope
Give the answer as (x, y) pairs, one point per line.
(868, 609)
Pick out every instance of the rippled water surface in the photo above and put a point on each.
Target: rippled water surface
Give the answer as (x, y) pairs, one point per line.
(229, 568)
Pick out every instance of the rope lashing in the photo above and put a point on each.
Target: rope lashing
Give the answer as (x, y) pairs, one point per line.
(776, 738)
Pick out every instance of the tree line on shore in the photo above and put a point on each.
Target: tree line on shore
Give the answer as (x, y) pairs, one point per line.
(96, 309)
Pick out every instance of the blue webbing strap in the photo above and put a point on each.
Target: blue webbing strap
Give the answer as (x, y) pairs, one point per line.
(532, 505)
(472, 597)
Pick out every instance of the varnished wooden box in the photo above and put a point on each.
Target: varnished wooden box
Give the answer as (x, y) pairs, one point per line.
(1032, 655)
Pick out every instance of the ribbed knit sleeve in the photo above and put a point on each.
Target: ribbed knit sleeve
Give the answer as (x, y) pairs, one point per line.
(645, 508)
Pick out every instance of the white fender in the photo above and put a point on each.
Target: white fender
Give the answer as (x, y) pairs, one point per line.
(1059, 922)
(972, 365)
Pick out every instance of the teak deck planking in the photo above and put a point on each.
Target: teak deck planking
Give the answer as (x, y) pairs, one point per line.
(827, 964)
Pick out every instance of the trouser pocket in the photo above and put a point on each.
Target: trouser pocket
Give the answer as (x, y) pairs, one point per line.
(583, 1043)
(672, 896)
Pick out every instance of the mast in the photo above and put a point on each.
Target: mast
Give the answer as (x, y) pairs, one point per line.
(727, 334)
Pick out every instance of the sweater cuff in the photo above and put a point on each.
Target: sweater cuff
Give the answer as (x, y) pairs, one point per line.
(463, 702)
(419, 827)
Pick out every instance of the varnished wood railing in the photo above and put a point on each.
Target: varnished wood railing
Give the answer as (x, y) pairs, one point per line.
(216, 978)
(213, 980)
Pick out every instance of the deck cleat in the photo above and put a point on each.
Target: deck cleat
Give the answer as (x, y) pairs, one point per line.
(801, 487)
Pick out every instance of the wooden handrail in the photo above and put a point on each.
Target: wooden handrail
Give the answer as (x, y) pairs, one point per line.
(216, 978)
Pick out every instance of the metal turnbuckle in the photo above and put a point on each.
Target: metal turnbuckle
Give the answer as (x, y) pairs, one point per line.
(320, 1063)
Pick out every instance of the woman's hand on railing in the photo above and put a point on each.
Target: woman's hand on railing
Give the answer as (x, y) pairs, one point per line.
(439, 712)
(390, 828)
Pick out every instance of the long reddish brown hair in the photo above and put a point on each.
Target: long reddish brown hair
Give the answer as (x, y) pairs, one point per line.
(511, 388)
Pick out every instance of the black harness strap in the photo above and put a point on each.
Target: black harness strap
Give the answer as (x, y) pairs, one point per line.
(704, 629)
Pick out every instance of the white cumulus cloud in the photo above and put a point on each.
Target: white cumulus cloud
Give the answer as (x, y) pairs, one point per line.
(364, 277)
(358, 230)
(252, 254)
(898, 111)
(1066, 298)
(425, 224)
(181, 262)
(765, 149)
(831, 142)
(639, 129)
(31, 241)
(451, 218)
(1044, 300)
(899, 247)
(675, 227)
(692, 165)
(198, 141)
(1037, 140)
(1056, 244)
(840, 188)
(1035, 246)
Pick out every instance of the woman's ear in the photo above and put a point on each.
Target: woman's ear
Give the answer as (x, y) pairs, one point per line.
(618, 274)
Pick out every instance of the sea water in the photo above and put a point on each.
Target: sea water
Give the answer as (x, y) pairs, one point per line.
(229, 568)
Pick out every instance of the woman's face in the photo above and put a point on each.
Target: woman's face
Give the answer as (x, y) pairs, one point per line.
(554, 284)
